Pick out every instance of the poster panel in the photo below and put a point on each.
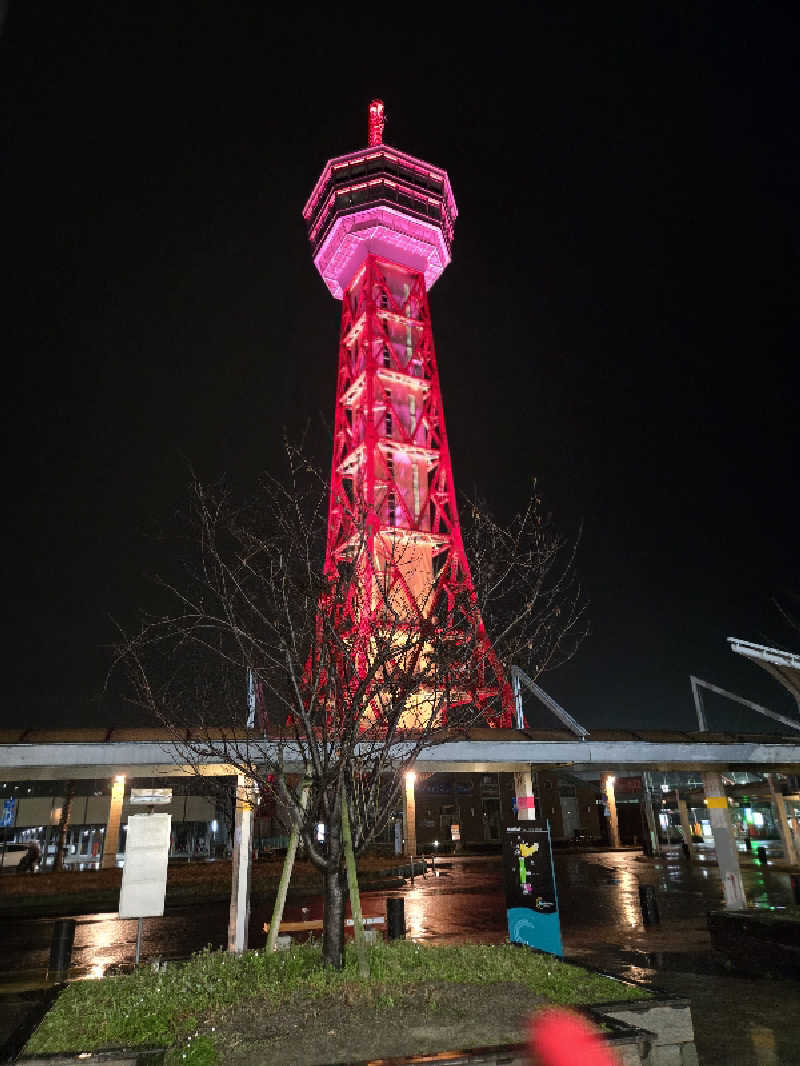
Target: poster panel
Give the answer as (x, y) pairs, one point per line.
(531, 897)
(8, 813)
(144, 875)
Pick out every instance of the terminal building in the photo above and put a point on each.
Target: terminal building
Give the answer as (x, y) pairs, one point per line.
(33, 811)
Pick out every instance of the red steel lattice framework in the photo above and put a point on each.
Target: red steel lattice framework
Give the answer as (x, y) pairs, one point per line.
(381, 225)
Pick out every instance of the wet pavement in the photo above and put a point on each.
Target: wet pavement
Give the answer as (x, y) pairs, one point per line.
(738, 1020)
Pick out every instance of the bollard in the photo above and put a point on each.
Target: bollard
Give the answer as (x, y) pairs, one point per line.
(649, 905)
(762, 855)
(794, 880)
(61, 946)
(395, 919)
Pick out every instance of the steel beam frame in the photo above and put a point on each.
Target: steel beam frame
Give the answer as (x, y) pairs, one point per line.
(391, 462)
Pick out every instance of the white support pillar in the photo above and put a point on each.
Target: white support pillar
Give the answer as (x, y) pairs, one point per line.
(649, 816)
(111, 837)
(523, 793)
(686, 828)
(409, 815)
(613, 822)
(779, 806)
(241, 868)
(794, 828)
(724, 842)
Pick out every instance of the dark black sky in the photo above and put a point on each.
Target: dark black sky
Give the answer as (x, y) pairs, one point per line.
(620, 317)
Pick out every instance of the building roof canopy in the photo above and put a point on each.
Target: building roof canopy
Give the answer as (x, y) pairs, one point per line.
(784, 666)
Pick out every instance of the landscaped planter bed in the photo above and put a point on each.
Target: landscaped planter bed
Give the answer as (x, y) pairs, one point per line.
(285, 1008)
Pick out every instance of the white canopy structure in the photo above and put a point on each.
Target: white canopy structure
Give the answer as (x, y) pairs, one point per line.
(784, 666)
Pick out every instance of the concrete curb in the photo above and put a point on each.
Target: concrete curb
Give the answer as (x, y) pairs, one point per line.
(667, 1021)
(17, 1040)
(108, 1056)
(663, 1018)
(631, 1044)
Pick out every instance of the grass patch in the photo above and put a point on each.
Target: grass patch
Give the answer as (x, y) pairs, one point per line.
(177, 1007)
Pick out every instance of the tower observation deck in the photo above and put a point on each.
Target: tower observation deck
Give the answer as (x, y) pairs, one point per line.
(380, 223)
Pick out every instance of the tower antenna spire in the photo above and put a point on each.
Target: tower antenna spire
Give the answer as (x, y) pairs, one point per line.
(376, 122)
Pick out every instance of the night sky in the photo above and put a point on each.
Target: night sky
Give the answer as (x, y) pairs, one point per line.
(620, 318)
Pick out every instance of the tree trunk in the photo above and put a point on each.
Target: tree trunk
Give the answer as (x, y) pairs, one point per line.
(335, 888)
(333, 919)
(63, 823)
(355, 898)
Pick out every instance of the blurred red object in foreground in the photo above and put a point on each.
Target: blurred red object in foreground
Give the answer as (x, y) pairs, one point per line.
(560, 1038)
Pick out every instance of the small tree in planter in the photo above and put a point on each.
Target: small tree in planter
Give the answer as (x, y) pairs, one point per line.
(355, 664)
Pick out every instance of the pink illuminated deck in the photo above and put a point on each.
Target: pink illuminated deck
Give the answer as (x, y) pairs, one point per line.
(383, 231)
(384, 202)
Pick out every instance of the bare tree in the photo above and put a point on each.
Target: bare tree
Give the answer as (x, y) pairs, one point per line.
(354, 678)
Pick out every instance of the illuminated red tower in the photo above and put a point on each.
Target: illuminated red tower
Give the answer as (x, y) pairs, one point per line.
(381, 224)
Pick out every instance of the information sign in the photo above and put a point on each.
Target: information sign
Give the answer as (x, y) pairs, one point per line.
(144, 875)
(151, 796)
(9, 807)
(531, 897)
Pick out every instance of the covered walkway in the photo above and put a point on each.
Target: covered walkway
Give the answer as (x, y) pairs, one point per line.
(130, 754)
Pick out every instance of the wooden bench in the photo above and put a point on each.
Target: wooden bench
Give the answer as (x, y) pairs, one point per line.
(310, 924)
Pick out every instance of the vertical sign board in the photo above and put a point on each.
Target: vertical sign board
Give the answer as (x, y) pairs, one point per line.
(9, 808)
(144, 875)
(531, 897)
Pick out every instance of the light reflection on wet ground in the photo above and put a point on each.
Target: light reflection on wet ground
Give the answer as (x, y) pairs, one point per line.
(739, 1020)
(464, 901)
